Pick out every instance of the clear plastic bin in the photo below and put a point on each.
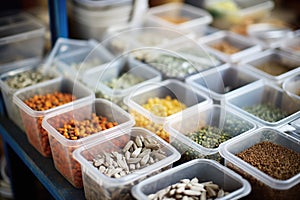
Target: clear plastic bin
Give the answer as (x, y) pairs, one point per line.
(229, 46)
(203, 169)
(72, 57)
(78, 61)
(179, 16)
(228, 13)
(177, 63)
(266, 103)
(193, 52)
(115, 80)
(223, 81)
(291, 45)
(292, 86)
(273, 65)
(7, 91)
(269, 35)
(62, 147)
(32, 119)
(173, 88)
(97, 185)
(21, 38)
(263, 185)
(211, 126)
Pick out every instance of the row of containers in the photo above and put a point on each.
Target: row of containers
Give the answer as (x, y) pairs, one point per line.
(143, 110)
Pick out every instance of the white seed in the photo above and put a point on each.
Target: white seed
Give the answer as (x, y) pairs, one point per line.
(138, 141)
(192, 193)
(133, 160)
(185, 181)
(145, 159)
(128, 145)
(180, 190)
(220, 193)
(136, 153)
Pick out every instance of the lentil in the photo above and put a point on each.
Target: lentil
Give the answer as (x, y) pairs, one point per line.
(48, 101)
(209, 136)
(36, 134)
(273, 159)
(267, 112)
(233, 126)
(275, 68)
(189, 189)
(225, 47)
(75, 129)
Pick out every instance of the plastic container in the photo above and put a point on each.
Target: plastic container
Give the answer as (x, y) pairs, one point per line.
(72, 57)
(292, 86)
(32, 119)
(91, 19)
(62, 148)
(192, 51)
(263, 185)
(177, 63)
(273, 65)
(269, 35)
(7, 91)
(173, 88)
(291, 45)
(233, 47)
(223, 81)
(228, 13)
(21, 38)
(204, 170)
(100, 79)
(98, 185)
(272, 106)
(76, 62)
(179, 16)
(221, 122)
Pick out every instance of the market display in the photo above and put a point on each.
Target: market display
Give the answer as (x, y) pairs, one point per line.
(111, 127)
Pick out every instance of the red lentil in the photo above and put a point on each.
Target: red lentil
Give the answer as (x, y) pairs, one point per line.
(36, 134)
